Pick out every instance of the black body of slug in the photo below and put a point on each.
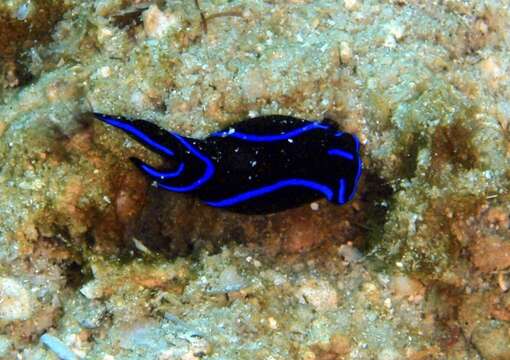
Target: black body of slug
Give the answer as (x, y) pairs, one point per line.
(257, 166)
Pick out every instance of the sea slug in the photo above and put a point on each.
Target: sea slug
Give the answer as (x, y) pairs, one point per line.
(257, 166)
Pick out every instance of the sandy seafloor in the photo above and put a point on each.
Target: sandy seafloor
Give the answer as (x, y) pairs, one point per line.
(97, 264)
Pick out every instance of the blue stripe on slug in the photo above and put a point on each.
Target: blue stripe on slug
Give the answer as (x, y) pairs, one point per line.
(342, 153)
(130, 129)
(326, 191)
(162, 174)
(268, 138)
(208, 173)
(359, 170)
(341, 191)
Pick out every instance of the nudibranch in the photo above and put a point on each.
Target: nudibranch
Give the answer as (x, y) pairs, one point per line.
(260, 165)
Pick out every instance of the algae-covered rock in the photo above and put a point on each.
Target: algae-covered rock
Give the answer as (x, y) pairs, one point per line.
(415, 267)
(24, 25)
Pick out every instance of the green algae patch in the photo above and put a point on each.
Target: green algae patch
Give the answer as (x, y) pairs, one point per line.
(441, 173)
(28, 24)
(63, 183)
(454, 144)
(24, 25)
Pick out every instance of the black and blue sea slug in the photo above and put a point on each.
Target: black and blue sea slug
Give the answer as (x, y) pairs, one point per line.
(257, 166)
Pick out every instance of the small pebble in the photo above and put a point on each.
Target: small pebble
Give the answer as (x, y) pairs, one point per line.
(15, 301)
(157, 23)
(105, 71)
(345, 52)
(491, 68)
(390, 41)
(92, 290)
(321, 295)
(104, 34)
(228, 281)
(350, 253)
(58, 347)
(253, 84)
(387, 303)
(91, 317)
(406, 287)
(273, 324)
(498, 218)
(504, 281)
(139, 100)
(351, 4)
(314, 206)
(397, 30)
(23, 11)
(3, 126)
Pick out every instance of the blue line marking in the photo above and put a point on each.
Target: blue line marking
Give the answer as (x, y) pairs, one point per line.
(134, 131)
(268, 138)
(356, 180)
(163, 174)
(341, 191)
(359, 170)
(328, 193)
(208, 173)
(356, 141)
(358, 174)
(339, 133)
(342, 153)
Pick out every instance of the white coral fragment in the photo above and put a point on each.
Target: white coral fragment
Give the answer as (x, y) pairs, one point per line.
(157, 23)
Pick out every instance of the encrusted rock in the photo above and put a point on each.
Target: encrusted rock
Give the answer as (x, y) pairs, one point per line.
(229, 281)
(5, 346)
(15, 300)
(491, 253)
(157, 23)
(406, 287)
(320, 294)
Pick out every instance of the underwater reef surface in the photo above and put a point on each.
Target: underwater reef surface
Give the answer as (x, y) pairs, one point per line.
(97, 264)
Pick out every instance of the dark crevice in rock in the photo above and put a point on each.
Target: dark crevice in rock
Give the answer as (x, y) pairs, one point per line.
(377, 196)
(176, 225)
(76, 275)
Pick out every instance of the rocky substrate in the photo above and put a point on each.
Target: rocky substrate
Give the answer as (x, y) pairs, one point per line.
(97, 264)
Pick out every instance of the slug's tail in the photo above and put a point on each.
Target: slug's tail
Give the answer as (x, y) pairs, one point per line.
(158, 175)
